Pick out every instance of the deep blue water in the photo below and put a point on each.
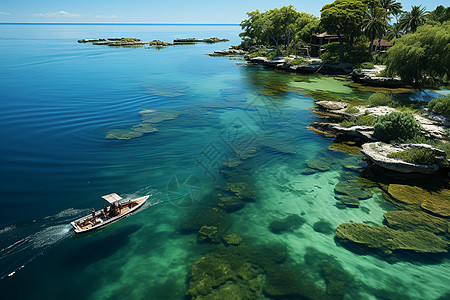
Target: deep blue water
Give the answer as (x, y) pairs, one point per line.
(60, 99)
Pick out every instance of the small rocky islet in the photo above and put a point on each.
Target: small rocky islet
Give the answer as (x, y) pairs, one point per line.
(130, 42)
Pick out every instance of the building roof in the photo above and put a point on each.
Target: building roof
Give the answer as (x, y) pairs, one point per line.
(382, 43)
(325, 35)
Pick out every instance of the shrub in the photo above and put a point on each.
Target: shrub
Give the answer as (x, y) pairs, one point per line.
(298, 61)
(380, 99)
(352, 110)
(269, 54)
(440, 105)
(367, 65)
(396, 126)
(361, 120)
(365, 120)
(422, 156)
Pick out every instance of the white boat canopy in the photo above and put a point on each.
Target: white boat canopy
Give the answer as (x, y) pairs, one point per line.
(111, 198)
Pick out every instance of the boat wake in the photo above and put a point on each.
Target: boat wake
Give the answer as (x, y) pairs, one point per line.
(22, 243)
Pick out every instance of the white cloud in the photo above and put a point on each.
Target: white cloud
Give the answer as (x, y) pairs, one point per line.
(4, 13)
(57, 14)
(106, 17)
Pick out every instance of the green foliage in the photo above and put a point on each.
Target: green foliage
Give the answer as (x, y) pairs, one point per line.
(298, 61)
(440, 105)
(356, 53)
(396, 126)
(352, 110)
(375, 23)
(365, 120)
(278, 27)
(343, 17)
(421, 56)
(416, 155)
(367, 65)
(361, 120)
(380, 99)
(440, 14)
(410, 21)
(269, 54)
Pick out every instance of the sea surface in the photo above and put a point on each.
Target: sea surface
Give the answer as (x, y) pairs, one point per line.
(59, 103)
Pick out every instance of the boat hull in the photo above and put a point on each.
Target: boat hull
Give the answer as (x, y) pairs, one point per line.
(88, 223)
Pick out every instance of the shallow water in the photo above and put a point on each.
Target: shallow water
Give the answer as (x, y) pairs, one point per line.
(61, 98)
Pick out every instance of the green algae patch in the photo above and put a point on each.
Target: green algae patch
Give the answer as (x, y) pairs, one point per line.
(230, 203)
(233, 239)
(144, 128)
(412, 220)
(234, 272)
(388, 240)
(352, 188)
(209, 233)
(347, 147)
(436, 202)
(154, 117)
(284, 283)
(287, 224)
(123, 134)
(242, 190)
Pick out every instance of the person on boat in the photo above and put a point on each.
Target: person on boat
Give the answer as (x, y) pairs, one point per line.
(93, 213)
(105, 210)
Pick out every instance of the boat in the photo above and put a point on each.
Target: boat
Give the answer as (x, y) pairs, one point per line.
(118, 209)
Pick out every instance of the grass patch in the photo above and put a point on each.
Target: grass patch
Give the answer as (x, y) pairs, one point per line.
(440, 105)
(299, 61)
(421, 156)
(269, 54)
(362, 120)
(352, 110)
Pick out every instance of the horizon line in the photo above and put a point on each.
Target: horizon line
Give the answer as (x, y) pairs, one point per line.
(125, 23)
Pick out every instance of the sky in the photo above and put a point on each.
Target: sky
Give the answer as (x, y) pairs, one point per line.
(161, 11)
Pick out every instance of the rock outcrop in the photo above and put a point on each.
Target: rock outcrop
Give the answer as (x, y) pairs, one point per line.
(377, 152)
(228, 52)
(388, 240)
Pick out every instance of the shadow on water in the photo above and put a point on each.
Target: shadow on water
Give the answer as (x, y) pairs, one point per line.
(100, 248)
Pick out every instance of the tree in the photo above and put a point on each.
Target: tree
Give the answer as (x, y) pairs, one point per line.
(392, 7)
(343, 17)
(375, 24)
(277, 27)
(421, 56)
(410, 21)
(440, 14)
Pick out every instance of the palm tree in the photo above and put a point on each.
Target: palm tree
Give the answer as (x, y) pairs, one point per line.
(413, 19)
(375, 23)
(392, 7)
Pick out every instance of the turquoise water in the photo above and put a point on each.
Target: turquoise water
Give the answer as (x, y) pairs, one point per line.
(59, 101)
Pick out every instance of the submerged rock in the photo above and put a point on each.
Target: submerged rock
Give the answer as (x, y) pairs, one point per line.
(323, 226)
(144, 128)
(353, 189)
(242, 190)
(123, 134)
(233, 239)
(412, 220)
(209, 233)
(290, 223)
(436, 202)
(154, 117)
(231, 203)
(388, 240)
